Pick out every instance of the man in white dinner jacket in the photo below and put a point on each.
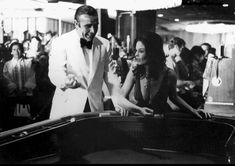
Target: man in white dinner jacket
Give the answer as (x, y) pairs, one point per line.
(77, 71)
(78, 66)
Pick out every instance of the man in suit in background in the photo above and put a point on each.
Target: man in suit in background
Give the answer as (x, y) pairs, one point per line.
(78, 65)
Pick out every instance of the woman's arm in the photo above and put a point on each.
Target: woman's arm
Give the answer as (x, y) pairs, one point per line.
(128, 84)
(121, 103)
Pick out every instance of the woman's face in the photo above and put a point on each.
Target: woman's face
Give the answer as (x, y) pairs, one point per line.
(16, 52)
(140, 54)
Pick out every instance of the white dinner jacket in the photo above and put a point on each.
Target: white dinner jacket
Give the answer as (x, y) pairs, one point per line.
(67, 57)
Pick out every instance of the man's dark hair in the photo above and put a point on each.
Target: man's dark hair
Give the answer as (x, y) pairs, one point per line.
(212, 50)
(37, 38)
(197, 50)
(176, 41)
(85, 9)
(206, 44)
(49, 32)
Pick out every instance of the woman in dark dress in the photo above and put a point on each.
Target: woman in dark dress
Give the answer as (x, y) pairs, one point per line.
(154, 82)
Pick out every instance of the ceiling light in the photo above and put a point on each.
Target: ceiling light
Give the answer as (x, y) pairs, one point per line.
(112, 13)
(42, 1)
(134, 5)
(225, 5)
(210, 28)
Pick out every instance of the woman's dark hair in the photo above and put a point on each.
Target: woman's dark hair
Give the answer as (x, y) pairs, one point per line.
(19, 45)
(154, 50)
(85, 9)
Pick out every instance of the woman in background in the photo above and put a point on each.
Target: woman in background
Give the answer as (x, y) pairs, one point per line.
(19, 81)
(19, 73)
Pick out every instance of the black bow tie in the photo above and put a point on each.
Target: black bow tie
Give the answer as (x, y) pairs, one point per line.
(85, 43)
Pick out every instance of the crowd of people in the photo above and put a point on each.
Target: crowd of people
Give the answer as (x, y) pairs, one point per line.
(64, 76)
(26, 90)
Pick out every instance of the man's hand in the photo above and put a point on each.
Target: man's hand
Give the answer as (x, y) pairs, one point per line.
(189, 85)
(72, 82)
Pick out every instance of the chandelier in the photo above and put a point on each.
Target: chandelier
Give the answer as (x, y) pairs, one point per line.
(134, 5)
(210, 28)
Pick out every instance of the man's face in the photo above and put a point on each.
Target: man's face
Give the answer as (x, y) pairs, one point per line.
(205, 49)
(175, 51)
(26, 46)
(34, 45)
(87, 26)
(48, 37)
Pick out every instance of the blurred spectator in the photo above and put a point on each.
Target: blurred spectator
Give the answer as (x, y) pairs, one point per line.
(210, 70)
(35, 48)
(178, 61)
(206, 48)
(26, 45)
(48, 41)
(194, 96)
(18, 72)
(27, 35)
(119, 56)
(19, 79)
(45, 89)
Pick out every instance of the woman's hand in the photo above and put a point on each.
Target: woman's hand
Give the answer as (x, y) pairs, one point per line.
(134, 65)
(202, 114)
(122, 111)
(144, 111)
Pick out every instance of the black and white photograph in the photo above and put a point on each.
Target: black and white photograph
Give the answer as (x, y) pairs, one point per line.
(117, 82)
